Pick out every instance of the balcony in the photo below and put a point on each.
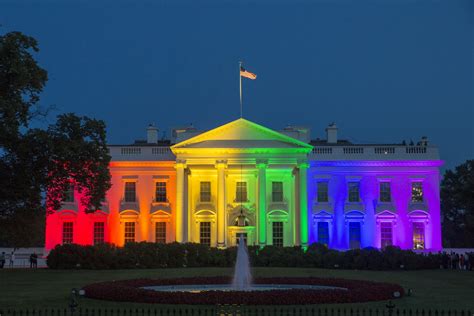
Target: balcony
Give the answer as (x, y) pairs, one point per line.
(385, 206)
(278, 205)
(160, 206)
(322, 206)
(354, 206)
(417, 206)
(128, 205)
(69, 206)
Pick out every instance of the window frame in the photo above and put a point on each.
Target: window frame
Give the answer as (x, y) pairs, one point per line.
(422, 236)
(242, 194)
(320, 224)
(68, 195)
(278, 233)
(161, 232)
(359, 234)
(420, 195)
(205, 196)
(161, 193)
(351, 194)
(98, 237)
(68, 232)
(205, 236)
(383, 194)
(277, 196)
(127, 194)
(326, 191)
(383, 234)
(128, 239)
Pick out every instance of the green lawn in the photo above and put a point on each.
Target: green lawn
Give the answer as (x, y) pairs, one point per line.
(441, 289)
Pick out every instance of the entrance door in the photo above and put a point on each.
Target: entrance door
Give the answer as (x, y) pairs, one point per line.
(237, 238)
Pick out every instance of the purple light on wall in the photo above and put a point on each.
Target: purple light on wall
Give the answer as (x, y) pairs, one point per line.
(400, 211)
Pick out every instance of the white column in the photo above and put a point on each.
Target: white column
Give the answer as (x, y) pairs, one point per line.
(297, 216)
(303, 219)
(221, 165)
(262, 202)
(180, 211)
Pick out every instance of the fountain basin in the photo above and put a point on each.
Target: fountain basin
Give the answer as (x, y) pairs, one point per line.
(198, 288)
(263, 291)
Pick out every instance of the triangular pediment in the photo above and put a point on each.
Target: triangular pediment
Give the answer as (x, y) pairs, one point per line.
(242, 134)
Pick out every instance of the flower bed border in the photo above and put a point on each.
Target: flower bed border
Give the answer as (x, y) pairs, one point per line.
(357, 291)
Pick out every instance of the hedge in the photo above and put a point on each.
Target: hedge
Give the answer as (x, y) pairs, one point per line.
(177, 255)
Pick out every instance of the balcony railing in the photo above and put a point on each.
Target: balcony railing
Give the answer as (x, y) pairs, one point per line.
(145, 153)
(355, 152)
(374, 153)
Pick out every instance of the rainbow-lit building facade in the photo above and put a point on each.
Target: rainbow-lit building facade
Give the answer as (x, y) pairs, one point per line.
(273, 188)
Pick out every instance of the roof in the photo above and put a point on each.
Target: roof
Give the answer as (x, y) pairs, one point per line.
(242, 134)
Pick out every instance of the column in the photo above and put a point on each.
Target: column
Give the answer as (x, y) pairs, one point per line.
(221, 165)
(180, 212)
(303, 194)
(296, 228)
(262, 202)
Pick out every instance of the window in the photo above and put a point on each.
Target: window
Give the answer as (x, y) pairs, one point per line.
(277, 191)
(417, 192)
(323, 191)
(418, 236)
(354, 235)
(205, 191)
(68, 195)
(277, 233)
(205, 233)
(385, 194)
(385, 234)
(129, 232)
(241, 192)
(68, 232)
(323, 233)
(160, 192)
(160, 232)
(130, 191)
(99, 233)
(237, 238)
(354, 195)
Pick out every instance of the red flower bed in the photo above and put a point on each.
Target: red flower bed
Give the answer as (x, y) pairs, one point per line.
(132, 291)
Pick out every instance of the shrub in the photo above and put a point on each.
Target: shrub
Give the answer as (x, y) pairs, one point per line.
(176, 255)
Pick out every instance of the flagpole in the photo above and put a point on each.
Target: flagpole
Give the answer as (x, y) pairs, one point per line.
(240, 81)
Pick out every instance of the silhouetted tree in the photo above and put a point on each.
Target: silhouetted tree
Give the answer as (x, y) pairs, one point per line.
(38, 163)
(457, 206)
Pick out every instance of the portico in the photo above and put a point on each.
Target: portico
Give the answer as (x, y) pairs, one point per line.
(244, 171)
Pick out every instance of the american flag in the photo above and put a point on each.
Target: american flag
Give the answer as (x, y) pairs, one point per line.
(247, 74)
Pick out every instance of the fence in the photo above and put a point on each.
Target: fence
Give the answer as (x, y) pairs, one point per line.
(233, 310)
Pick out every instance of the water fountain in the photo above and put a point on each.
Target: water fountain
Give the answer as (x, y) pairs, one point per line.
(263, 291)
(242, 277)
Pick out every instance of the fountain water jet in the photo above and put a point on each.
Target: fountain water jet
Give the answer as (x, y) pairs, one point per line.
(242, 276)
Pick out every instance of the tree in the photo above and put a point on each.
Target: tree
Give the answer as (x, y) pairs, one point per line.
(38, 165)
(457, 206)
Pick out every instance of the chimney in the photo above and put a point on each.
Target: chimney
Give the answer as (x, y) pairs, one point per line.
(331, 133)
(424, 141)
(152, 134)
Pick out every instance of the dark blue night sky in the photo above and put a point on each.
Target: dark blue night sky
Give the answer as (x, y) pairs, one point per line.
(383, 70)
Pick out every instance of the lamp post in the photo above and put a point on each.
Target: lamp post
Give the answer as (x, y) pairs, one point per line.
(73, 300)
